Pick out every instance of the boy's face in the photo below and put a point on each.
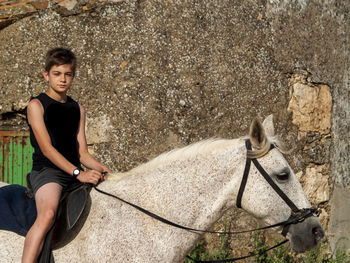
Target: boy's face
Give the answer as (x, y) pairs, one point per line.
(60, 77)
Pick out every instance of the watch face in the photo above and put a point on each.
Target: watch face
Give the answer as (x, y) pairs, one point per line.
(76, 172)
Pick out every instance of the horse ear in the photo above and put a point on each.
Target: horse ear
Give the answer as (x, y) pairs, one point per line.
(268, 126)
(257, 134)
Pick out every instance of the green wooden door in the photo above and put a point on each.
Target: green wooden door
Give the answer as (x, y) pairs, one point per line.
(15, 156)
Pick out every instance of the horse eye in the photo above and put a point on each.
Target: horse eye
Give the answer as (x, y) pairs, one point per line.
(283, 176)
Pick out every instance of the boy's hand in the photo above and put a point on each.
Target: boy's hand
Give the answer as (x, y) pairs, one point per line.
(90, 176)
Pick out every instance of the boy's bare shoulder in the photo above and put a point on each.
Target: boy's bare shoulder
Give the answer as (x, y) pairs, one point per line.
(34, 104)
(34, 101)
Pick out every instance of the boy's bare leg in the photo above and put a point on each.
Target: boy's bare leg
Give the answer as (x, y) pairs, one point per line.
(46, 199)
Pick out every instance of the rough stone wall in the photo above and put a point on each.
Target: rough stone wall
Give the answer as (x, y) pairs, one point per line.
(311, 106)
(154, 75)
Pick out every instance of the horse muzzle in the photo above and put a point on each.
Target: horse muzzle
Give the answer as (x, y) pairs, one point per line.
(305, 234)
(298, 216)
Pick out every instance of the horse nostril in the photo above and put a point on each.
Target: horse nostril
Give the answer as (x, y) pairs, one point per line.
(318, 233)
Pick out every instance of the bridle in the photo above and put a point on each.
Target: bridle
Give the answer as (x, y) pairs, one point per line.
(297, 215)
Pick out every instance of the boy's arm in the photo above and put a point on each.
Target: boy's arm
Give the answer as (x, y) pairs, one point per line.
(35, 114)
(85, 157)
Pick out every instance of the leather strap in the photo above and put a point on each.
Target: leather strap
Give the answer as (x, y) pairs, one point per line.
(245, 176)
(275, 186)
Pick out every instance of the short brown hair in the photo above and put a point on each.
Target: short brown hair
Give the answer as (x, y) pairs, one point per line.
(60, 56)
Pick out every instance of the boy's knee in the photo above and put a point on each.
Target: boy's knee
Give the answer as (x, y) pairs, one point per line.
(47, 217)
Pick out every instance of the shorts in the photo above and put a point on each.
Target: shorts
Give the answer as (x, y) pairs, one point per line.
(50, 175)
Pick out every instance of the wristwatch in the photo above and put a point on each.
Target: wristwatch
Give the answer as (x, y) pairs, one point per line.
(76, 172)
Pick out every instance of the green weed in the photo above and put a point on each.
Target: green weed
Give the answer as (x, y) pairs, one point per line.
(201, 253)
(281, 254)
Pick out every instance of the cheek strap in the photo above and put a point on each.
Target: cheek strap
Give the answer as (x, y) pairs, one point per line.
(267, 178)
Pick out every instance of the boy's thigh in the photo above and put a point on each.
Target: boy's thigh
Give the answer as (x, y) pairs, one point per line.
(47, 197)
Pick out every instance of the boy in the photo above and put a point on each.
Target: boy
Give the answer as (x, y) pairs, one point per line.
(57, 133)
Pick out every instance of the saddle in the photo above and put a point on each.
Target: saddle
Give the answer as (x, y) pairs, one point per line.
(73, 203)
(18, 213)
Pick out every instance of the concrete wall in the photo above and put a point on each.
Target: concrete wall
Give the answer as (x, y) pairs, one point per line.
(154, 75)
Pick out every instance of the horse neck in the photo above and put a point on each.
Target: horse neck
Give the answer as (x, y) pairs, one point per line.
(193, 190)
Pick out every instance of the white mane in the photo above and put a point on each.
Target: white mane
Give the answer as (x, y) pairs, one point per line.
(187, 152)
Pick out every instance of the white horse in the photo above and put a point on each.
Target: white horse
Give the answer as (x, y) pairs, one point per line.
(192, 186)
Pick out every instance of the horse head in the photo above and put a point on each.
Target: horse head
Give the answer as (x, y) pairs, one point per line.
(278, 196)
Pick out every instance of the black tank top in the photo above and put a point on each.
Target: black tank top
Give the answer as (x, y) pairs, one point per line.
(62, 123)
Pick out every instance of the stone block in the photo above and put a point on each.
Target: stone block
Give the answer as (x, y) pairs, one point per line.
(311, 107)
(315, 183)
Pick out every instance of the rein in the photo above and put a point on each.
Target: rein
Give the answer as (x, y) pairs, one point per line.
(297, 215)
(294, 220)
